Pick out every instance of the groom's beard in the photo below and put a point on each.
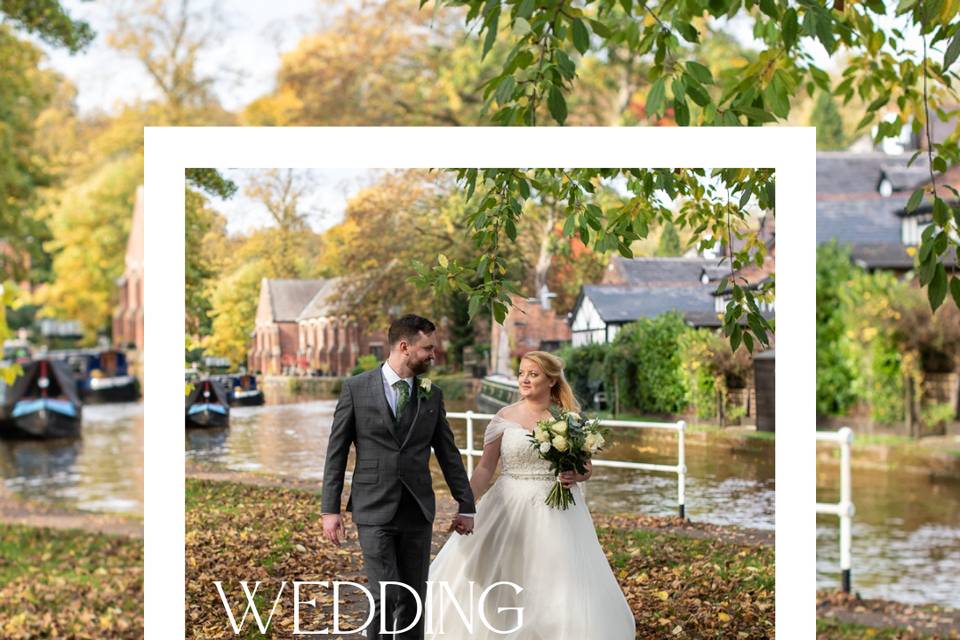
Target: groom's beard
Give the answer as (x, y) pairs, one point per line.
(419, 368)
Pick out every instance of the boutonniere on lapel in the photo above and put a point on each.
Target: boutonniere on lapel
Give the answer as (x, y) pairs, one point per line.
(426, 387)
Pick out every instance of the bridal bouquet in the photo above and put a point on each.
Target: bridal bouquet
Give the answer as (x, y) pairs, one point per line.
(567, 441)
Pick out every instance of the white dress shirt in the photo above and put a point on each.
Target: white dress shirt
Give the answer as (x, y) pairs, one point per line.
(390, 378)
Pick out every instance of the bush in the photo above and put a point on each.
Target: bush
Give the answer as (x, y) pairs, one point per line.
(454, 386)
(835, 377)
(365, 363)
(653, 344)
(710, 369)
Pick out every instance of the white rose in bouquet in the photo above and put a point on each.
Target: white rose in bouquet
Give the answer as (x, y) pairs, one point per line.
(544, 447)
(560, 426)
(590, 443)
(541, 434)
(560, 443)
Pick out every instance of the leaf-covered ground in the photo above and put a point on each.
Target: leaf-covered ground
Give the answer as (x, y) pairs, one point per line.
(844, 617)
(69, 584)
(682, 580)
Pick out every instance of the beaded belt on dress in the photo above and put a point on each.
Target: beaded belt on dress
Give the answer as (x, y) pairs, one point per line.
(530, 475)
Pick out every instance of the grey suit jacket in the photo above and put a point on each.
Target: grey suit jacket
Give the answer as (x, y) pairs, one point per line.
(384, 463)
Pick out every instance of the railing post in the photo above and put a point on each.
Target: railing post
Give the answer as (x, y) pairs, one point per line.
(469, 444)
(681, 469)
(846, 507)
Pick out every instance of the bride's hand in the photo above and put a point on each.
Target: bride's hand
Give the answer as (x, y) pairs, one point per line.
(570, 478)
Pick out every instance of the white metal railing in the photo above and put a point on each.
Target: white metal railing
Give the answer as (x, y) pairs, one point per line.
(680, 468)
(843, 509)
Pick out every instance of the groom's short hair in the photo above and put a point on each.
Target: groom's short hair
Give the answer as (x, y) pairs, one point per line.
(408, 328)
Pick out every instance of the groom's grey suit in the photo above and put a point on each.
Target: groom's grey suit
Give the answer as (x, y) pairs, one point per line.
(392, 497)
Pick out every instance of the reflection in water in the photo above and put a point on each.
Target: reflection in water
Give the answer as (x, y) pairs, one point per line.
(725, 484)
(906, 536)
(101, 471)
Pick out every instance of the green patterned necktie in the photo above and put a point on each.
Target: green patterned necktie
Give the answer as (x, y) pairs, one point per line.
(403, 389)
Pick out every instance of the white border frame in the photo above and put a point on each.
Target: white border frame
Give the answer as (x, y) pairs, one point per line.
(789, 150)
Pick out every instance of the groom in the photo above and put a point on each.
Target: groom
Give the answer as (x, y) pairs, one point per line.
(393, 418)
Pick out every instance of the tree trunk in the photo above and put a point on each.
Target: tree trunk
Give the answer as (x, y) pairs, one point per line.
(544, 259)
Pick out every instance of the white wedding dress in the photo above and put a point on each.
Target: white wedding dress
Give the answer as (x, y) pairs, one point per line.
(569, 591)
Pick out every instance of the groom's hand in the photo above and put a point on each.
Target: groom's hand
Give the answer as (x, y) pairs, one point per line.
(462, 525)
(333, 528)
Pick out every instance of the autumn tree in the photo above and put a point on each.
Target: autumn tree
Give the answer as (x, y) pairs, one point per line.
(548, 42)
(715, 205)
(378, 63)
(26, 92)
(203, 227)
(669, 243)
(826, 118)
(168, 40)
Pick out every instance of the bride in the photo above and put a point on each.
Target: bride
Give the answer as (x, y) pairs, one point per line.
(568, 588)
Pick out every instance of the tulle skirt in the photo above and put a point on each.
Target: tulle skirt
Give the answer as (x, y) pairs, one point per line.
(568, 588)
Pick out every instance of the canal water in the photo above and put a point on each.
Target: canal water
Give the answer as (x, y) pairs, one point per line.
(905, 537)
(727, 483)
(101, 471)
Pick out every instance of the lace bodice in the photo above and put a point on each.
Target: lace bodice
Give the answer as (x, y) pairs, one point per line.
(518, 459)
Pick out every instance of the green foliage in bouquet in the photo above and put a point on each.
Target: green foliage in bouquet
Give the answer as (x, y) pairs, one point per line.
(567, 441)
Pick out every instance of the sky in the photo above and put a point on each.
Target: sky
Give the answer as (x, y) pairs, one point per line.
(254, 35)
(333, 187)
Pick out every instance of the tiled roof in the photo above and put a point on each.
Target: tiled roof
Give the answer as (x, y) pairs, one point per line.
(639, 271)
(289, 297)
(319, 305)
(617, 303)
(869, 221)
(847, 172)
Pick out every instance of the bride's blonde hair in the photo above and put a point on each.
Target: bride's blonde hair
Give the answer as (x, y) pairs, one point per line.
(561, 393)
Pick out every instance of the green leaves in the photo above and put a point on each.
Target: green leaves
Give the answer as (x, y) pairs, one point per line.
(557, 104)
(790, 28)
(581, 37)
(581, 198)
(699, 72)
(953, 50)
(655, 97)
(937, 290)
(914, 200)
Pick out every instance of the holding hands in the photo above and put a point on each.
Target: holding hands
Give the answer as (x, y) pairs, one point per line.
(462, 525)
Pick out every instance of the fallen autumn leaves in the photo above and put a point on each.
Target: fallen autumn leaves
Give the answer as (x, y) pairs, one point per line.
(843, 616)
(682, 580)
(69, 584)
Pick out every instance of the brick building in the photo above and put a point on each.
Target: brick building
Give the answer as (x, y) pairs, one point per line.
(276, 333)
(298, 333)
(330, 344)
(128, 315)
(531, 326)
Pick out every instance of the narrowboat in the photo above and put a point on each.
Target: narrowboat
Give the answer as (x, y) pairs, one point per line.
(242, 390)
(102, 375)
(208, 405)
(496, 392)
(42, 402)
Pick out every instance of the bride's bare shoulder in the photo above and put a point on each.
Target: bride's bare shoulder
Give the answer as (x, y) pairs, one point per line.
(508, 412)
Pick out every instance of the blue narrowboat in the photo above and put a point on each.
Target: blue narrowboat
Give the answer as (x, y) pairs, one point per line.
(42, 402)
(208, 405)
(242, 390)
(102, 375)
